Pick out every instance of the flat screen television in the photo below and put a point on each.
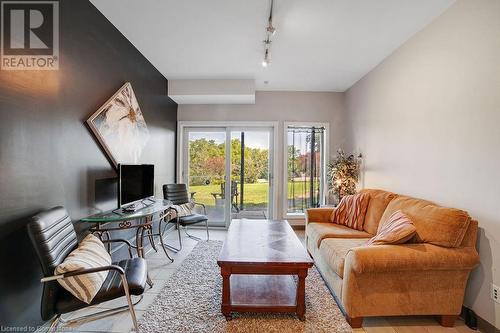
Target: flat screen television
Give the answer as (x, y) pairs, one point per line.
(135, 182)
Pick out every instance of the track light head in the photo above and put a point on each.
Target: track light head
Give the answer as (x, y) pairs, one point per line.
(270, 29)
(266, 60)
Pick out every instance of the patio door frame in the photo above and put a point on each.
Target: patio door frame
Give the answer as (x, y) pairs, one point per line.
(230, 126)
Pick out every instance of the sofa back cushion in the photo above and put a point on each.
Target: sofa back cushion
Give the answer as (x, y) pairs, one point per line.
(435, 224)
(351, 211)
(379, 200)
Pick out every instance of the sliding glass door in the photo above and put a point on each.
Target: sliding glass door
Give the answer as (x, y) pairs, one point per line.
(250, 175)
(228, 169)
(205, 172)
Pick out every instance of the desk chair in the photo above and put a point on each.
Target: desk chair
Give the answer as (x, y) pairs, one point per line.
(178, 194)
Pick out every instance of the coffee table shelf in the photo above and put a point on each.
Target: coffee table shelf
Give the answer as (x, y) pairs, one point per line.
(263, 290)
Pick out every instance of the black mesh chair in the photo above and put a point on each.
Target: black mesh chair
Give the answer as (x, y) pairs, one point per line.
(178, 194)
(53, 236)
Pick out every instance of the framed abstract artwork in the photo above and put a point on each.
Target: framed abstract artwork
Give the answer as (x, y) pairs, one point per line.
(120, 127)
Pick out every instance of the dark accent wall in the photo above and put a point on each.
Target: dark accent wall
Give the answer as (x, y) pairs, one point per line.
(47, 155)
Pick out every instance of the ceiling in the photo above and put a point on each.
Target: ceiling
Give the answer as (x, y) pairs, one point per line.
(320, 45)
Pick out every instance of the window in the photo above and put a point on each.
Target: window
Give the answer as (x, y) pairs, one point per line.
(305, 163)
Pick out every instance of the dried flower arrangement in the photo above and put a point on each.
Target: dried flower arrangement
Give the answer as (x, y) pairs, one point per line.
(343, 174)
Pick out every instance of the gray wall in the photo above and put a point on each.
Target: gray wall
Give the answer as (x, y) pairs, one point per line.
(47, 155)
(427, 121)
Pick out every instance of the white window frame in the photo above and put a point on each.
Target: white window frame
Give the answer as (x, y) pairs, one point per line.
(326, 158)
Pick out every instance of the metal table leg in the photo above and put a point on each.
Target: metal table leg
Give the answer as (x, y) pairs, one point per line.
(139, 241)
(162, 242)
(151, 239)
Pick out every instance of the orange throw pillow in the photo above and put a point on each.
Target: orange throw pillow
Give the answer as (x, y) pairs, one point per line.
(351, 211)
(398, 229)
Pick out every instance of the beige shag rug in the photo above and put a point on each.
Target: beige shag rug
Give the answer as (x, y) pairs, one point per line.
(191, 301)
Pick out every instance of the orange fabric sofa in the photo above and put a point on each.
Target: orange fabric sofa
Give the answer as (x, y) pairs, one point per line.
(426, 276)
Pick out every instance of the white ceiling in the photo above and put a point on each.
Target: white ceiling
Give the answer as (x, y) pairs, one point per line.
(320, 45)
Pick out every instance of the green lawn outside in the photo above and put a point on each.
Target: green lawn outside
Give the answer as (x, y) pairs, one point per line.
(255, 194)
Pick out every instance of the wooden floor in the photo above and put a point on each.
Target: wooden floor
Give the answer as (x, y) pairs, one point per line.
(160, 271)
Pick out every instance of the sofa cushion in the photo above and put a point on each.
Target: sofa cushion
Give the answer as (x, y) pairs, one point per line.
(351, 211)
(435, 224)
(334, 251)
(323, 214)
(379, 199)
(319, 231)
(398, 230)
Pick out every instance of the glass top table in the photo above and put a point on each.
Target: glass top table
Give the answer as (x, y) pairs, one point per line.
(118, 215)
(141, 220)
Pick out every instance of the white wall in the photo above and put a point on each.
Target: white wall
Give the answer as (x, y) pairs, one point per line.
(427, 121)
(282, 107)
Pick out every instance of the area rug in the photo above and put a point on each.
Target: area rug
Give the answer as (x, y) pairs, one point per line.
(191, 302)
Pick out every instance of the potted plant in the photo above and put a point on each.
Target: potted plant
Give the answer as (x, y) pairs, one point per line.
(343, 175)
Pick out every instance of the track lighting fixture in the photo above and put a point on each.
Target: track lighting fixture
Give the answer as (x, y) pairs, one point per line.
(270, 31)
(267, 45)
(270, 28)
(266, 61)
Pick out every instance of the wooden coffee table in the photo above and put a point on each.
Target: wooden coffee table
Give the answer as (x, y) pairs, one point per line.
(257, 262)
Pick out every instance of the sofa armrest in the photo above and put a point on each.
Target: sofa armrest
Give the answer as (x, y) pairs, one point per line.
(410, 257)
(319, 214)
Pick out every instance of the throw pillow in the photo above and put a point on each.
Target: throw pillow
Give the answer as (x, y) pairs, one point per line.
(90, 253)
(184, 209)
(398, 229)
(351, 211)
